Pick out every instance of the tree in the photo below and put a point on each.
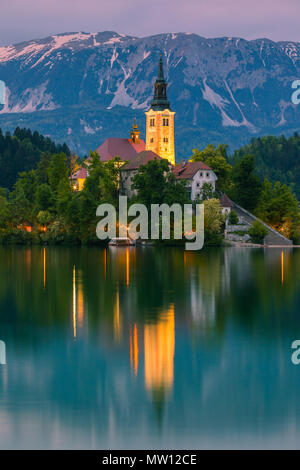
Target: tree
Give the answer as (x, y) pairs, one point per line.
(44, 218)
(44, 198)
(277, 159)
(156, 184)
(5, 214)
(21, 152)
(276, 204)
(216, 159)
(213, 217)
(207, 192)
(150, 181)
(42, 167)
(233, 218)
(58, 171)
(258, 232)
(246, 185)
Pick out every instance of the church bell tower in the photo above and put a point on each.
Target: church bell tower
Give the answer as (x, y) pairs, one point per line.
(160, 120)
(135, 133)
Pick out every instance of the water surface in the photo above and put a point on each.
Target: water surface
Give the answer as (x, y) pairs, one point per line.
(149, 348)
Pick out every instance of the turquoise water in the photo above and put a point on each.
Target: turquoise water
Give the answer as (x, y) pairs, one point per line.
(149, 348)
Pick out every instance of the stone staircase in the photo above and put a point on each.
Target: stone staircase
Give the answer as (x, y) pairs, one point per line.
(273, 238)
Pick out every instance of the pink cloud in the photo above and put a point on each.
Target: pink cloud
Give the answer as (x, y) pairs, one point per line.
(275, 19)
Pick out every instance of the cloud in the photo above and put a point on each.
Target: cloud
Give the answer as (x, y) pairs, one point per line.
(27, 19)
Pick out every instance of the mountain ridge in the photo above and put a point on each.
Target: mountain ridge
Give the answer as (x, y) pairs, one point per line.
(83, 87)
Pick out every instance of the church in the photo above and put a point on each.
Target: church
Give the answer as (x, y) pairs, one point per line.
(159, 130)
(159, 145)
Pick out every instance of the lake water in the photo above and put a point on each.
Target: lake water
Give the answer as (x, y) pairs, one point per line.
(149, 348)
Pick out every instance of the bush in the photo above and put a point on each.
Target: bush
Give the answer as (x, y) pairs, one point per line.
(258, 232)
(233, 218)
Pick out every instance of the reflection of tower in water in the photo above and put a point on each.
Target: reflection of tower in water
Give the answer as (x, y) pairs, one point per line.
(134, 349)
(78, 306)
(159, 349)
(117, 318)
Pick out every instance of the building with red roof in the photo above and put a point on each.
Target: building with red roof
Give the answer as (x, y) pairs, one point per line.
(196, 174)
(79, 178)
(126, 149)
(226, 204)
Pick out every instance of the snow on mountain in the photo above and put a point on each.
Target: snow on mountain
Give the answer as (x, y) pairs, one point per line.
(222, 89)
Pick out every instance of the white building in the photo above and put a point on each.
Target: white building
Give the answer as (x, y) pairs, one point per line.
(195, 174)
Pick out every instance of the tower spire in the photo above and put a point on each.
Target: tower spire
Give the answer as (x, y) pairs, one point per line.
(160, 120)
(160, 100)
(135, 133)
(160, 77)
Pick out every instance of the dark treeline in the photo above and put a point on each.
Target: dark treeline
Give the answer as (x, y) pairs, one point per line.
(22, 151)
(276, 158)
(39, 203)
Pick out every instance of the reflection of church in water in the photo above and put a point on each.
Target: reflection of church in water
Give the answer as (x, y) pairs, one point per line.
(151, 343)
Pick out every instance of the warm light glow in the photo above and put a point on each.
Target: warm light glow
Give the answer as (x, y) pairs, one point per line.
(127, 267)
(160, 137)
(44, 259)
(80, 302)
(74, 301)
(134, 350)
(159, 344)
(282, 267)
(117, 319)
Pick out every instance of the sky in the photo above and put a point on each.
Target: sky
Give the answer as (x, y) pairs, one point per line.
(278, 20)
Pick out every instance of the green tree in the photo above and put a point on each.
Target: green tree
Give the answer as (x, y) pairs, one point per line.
(5, 214)
(58, 172)
(216, 159)
(44, 218)
(276, 203)
(277, 158)
(207, 192)
(246, 185)
(213, 219)
(233, 218)
(156, 184)
(44, 198)
(258, 232)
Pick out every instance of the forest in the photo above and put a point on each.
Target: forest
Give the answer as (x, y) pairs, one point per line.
(38, 203)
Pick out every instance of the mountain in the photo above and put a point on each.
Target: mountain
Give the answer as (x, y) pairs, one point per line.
(83, 87)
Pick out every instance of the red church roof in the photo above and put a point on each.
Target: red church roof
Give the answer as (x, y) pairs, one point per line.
(113, 147)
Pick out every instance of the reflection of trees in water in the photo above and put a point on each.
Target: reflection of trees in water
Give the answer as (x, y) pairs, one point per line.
(127, 285)
(127, 304)
(264, 291)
